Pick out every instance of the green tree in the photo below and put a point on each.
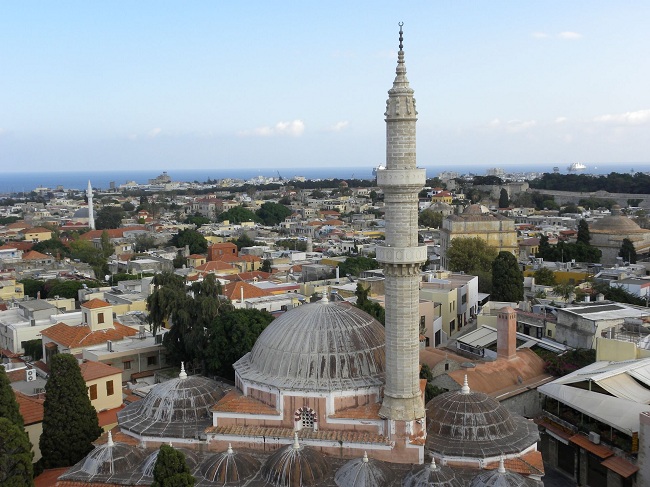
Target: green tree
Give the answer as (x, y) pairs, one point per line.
(197, 242)
(107, 247)
(70, 422)
(565, 290)
(34, 348)
(354, 266)
(238, 215)
(583, 232)
(128, 206)
(272, 213)
(8, 405)
(230, 336)
(109, 217)
(291, 244)
(544, 277)
(507, 278)
(244, 241)
(86, 252)
(53, 247)
(470, 255)
(33, 287)
(373, 308)
(266, 266)
(504, 202)
(16, 455)
(627, 251)
(197, 219)
(144, 242)
(171, 469)
(429, 218)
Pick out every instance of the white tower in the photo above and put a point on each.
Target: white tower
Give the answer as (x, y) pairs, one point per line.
(401, 256)
(91, 212)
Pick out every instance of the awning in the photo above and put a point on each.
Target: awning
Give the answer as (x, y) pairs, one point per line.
(620, 466)
(599, 450)
(618, 413)
(625, 387)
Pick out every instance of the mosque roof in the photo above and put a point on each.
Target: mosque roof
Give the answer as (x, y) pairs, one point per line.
(319, 346)
(363, 472)
(295, 465)
(178, 408)
(431, 475)
(471, 424)
(230, 467)
(616, 224)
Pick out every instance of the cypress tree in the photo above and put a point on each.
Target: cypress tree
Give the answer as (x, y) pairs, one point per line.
(171, 469)
(504, 202)
(16, 455)
(583, 232)
(70, 423)
(627, 251)
(9, 408)
(507, 278)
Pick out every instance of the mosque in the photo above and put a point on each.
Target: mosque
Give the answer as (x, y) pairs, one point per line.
(328, 396)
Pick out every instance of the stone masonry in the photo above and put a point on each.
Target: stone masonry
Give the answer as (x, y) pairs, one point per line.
(401, 256)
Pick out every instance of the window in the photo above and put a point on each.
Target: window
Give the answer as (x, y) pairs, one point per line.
(100, 317)
(423, 322)
(464, 298)
(109, 388)
(452, 325)
(446, 367)
(153, 360)
(127, 365)
(307, 419)
(93, 392)
(549, 333)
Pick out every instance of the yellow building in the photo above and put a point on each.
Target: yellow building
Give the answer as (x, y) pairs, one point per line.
(104, 383)
(10, 289)
(442, 197)
(37, 234)
(497, 230)
(447, 296)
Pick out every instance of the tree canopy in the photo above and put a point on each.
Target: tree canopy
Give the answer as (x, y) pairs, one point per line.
(504, 201)
(429, 218)
(470, 255)
(109, 217)
(614, 182)
(70, 423)
(583, 232)
(171, 469)
(373, 308)
(566, 252)
(9, 408)
(544, 277)
(196, 241)
(16, 469)
(238, 215)
(354, 266)
(507, 278)
(272, 213)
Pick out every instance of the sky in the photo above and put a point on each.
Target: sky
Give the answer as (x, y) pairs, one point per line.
(290, 84)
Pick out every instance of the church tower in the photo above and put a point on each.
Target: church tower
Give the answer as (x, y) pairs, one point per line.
(91, 211)
(400, 256)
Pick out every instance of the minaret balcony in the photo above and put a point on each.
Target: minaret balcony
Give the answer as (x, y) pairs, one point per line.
(408, 178)
(401, 255)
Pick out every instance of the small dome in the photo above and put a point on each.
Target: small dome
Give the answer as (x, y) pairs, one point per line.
(178, 408)
(150, 462)
(323, 346)
(229, 467)
(363, 472)
(81, 213)
(431, 475)
(111, 458)
(498, 478)
(466, 423)
(295, 466)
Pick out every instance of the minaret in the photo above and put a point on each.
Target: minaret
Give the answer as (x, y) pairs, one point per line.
(401, 256)
(91, 213)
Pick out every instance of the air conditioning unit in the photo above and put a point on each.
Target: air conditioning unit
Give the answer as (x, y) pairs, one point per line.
(31, 375)
(594, 437)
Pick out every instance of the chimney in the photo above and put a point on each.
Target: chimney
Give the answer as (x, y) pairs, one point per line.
(241, 294)
(507, 333)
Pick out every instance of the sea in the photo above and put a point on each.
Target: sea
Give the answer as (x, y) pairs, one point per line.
(15, 182)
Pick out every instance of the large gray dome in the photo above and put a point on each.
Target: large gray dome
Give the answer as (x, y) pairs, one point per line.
(322, 346)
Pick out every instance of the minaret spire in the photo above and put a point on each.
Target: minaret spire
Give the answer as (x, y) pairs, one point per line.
(401, 256)
(91, 210)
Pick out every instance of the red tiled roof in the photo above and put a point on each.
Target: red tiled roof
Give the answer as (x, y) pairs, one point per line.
(31, 408)
(347, 436)
(235, 402)
(369, 411)
(34, 255)
(95, 370)
(248, 276)
(48, 477)
(81, 335)
(528, 464)
(95, 303)
(109, 416)
(112, 232)
(36, 230)
(213, 265)
(232, 291)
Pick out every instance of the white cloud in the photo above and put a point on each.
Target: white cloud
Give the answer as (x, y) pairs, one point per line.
(639, 117)
(294, 128)
(520, 125)
(339, 126)
(540, 35)
(494, 123)
(153, 133)
(560, 119)
(568, 35)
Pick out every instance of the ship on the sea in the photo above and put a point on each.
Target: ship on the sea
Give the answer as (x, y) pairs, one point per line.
(576, 167)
